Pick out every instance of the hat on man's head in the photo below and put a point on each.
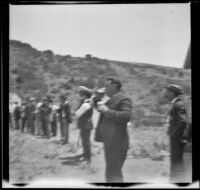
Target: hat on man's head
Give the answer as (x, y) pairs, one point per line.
(175, 88)
(83, 89)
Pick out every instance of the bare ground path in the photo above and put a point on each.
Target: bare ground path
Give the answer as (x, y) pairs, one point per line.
(34, 157)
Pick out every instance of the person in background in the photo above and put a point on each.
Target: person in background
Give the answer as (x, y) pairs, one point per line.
(24, 114)
(38, 124)
(31, 116)
(176, 129)
(64, 118)
(10, 121)
(112, 129)
(84, 122)
(189, 132)
(16, 116)
(53, 119)
(41, 109)
(45, 115)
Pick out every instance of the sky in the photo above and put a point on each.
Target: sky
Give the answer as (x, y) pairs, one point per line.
(148, 33)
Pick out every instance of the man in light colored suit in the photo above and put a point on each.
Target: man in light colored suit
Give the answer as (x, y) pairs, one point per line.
(84, 122)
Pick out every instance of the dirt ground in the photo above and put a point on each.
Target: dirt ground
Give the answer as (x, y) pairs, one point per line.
(33, 158)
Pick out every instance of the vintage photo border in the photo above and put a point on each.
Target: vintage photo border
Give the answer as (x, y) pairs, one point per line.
(5, 82)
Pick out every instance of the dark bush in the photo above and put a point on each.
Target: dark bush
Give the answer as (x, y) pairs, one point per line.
(67, 86)
(55, 91)
(88, 56)
(180, 74)
(48, 52)
(14, 71)
(19, 80)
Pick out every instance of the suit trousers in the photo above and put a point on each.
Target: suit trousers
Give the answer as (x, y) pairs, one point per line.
(16, 122)
(23, 123)
(176, 158)
(65, 130)
(30, 124)
(114, 163)
(85, 138)
(45, 126)
(53, 128)
(38, 125)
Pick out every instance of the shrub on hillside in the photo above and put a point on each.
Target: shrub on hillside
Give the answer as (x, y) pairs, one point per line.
(88, 56)
(55, 91)
(19, 80)
(180, 74)
(48, 52)
(14, 70)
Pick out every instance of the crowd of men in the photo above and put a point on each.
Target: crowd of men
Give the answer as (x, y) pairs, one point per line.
(42, 117)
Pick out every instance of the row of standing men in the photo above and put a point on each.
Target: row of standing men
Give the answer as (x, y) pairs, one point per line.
(42, 117)
(115, 111)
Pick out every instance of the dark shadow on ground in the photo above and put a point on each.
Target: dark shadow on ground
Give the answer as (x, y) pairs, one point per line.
(71, 162)
(74, 158)
(41, 137)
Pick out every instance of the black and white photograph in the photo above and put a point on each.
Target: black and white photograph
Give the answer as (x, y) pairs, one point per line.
(100, 93)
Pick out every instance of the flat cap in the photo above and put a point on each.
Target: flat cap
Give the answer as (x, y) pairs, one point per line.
(84, 89)
(175, 88)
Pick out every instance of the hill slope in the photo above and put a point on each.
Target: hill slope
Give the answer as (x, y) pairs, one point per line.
(37, 73)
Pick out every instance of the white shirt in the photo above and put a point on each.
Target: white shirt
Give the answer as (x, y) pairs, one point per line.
(63, 112)
(54, 108)
(84, 107)
(104, 100)
(38, 104)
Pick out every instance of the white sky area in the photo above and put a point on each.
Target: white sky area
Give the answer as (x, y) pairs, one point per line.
(148, 33)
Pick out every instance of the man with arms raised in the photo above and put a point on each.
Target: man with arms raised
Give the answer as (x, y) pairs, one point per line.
(112, 129)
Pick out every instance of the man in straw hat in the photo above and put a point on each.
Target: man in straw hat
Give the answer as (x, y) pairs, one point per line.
(84, 123)
(176, 128)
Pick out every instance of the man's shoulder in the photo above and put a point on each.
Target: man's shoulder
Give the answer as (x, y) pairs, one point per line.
(122, 96)
(179, 104)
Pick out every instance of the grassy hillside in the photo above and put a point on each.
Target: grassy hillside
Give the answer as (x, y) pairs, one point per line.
(38, 73)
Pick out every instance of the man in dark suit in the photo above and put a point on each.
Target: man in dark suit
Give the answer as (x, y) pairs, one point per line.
(31, 115)
(24, 114)
(17, 115)
(112, 129)
(64, 118)
(176, 130)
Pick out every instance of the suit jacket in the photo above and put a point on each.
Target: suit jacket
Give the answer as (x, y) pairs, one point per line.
(112, 126)
(177, 122)
(65, 111)
(17, 114)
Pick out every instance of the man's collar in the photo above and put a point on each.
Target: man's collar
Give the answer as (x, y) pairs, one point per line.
(87, 100)
(174, 100)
